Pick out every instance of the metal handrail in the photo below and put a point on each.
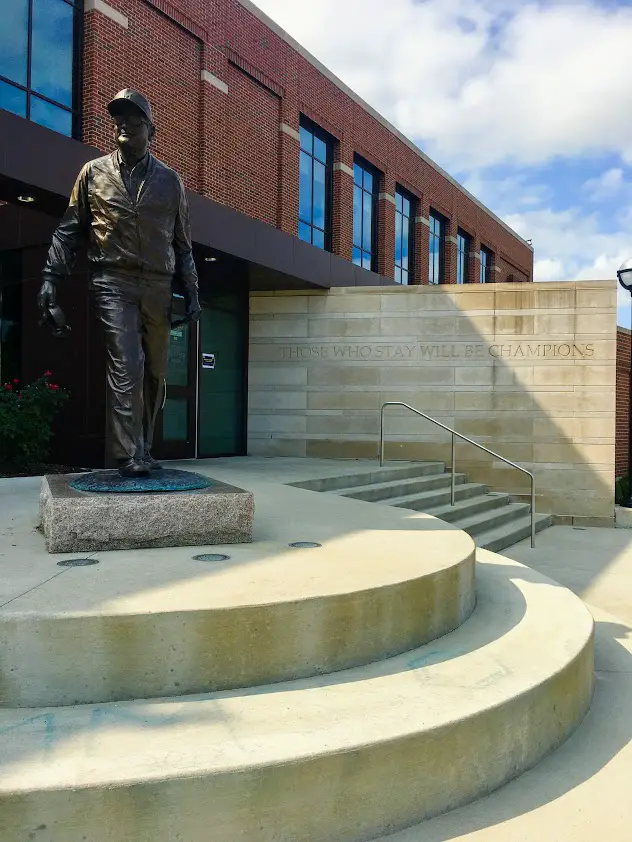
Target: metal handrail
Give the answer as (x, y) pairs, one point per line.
(453, 466)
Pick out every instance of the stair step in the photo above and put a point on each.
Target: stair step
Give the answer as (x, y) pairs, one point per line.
(437, 497)
(374, 475)
(399, 488)
(501, 537)
(484, 502)
(486, 520)
(340, 757)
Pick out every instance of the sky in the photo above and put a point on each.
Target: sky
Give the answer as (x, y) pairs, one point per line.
(527, 104)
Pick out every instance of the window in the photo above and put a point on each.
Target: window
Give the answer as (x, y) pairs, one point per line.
(314, 206)
(365, 191)
(38, 62)
(463, 248)
(404, 251)
(436, 258)
(487, 258)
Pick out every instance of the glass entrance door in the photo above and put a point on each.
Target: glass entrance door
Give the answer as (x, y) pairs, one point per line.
(175, 428)
(223, 362)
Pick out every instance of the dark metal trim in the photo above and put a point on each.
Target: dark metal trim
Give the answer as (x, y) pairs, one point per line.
(286, 262)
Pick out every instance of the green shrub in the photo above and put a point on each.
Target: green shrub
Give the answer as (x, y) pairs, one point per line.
(27, 414)
(622, 491)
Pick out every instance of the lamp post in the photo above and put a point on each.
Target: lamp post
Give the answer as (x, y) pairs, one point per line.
(625, 279)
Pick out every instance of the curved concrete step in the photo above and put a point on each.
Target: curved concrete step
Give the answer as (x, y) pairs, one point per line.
(338, 758)
(134, 627)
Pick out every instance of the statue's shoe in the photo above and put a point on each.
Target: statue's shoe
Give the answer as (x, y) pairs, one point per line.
(152, 463)
(131, 469)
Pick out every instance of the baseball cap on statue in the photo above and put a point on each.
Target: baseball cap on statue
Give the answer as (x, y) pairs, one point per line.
(129, 96)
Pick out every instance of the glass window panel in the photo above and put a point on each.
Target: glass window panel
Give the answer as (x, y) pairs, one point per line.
(367, 219)
(319, 238)
(368, 181)
(398, 201)
(398, 275)
(404, 260)
(357, 256)
(51, 50)
(12, 99)
(319, 195)
(14, 40)
(50, 116)
(357, 216)
(178, 360)
(406, 207)
(305, 232)
(366, 260)
(404, 276)
(357, 174)
(306, 139)
(398, 239)
(320, 149)
(305, 188)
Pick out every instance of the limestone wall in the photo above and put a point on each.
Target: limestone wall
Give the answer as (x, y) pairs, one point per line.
(528, 370)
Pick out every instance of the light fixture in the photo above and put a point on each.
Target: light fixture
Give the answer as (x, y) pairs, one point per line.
(624, 275)
(529, 242)
(27, 200)
(210, 259)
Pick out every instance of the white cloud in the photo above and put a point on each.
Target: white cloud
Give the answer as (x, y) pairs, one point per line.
(607, 185)
(519, 82)
(571, 246)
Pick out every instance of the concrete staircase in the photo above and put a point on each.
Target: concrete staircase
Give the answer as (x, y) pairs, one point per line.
(491, 518)
(335, 694)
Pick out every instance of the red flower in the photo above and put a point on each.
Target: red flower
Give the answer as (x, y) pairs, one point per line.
(54, 386)
(47, 373)
(8, 386)
(15, 380)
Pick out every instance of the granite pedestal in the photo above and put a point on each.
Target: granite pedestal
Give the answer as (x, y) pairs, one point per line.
(87, 521)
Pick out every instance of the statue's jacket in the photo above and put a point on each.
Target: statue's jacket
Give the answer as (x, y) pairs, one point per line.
(148, 236)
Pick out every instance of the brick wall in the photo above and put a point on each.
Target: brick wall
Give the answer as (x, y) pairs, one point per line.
(623, 401)
(230, 146)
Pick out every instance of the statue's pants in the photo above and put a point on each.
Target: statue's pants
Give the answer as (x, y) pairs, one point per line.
(136, 317)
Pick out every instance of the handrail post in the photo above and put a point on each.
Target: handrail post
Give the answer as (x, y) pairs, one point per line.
(382, 437)
(453, 470)
(532, 512)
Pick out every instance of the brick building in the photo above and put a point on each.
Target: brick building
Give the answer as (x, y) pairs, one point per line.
(294, 182)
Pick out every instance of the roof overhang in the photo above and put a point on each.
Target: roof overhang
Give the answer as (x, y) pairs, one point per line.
(45, 164)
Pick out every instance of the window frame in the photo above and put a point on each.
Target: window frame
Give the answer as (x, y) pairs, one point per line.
(410, 271)
(77, 70)
(485, 275)
(463, 256)
(315, 130)
(367, 167)
(433, 214)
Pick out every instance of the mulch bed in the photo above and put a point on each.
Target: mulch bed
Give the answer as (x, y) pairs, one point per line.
(41, 470)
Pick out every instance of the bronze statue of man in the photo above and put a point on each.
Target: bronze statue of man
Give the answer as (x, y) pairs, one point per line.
(133, 211)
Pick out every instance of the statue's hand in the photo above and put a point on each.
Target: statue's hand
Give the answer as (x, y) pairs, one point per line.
(193, 309)
(50, 313)
(46, 297)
